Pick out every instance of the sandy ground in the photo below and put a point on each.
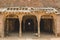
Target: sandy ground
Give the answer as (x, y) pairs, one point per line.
(28, 36)
(16, 38)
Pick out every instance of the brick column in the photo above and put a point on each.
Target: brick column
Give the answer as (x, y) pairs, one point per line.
(20, 32)
(55, 25)
(38, 19)
(1, 26)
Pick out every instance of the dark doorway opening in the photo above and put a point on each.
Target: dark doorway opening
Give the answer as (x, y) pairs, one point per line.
(29, 26)
(12, 26)
(46, 26)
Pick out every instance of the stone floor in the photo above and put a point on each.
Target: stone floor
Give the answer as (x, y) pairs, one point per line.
(30, 36)
(17, 38)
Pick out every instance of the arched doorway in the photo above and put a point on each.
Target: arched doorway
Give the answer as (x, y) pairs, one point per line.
(12, 25)
(29, 25)
(47, 24)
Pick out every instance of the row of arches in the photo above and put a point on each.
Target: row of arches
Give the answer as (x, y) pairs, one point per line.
(29, 24)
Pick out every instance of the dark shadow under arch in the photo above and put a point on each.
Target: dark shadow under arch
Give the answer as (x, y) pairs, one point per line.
(47, 24)
(29, 24)
(12, 25)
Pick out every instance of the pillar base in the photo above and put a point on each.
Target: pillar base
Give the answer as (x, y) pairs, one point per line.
(38, 35)
(20, 35)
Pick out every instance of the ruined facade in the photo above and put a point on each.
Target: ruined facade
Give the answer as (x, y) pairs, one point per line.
(28, 19)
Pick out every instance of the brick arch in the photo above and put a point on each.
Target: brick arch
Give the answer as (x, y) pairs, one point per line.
(13, 16)
(49, 17)
(25, 17)
(29, 16)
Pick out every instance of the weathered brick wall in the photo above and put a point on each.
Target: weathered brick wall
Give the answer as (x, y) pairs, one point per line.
(58, 24)
(30, 3)
(1, 26)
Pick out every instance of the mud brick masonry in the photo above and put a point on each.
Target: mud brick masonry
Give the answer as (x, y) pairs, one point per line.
(24, 13)
(29, 9)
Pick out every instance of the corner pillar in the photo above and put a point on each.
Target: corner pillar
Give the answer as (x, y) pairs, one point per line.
(20, 31)
(38, 19)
